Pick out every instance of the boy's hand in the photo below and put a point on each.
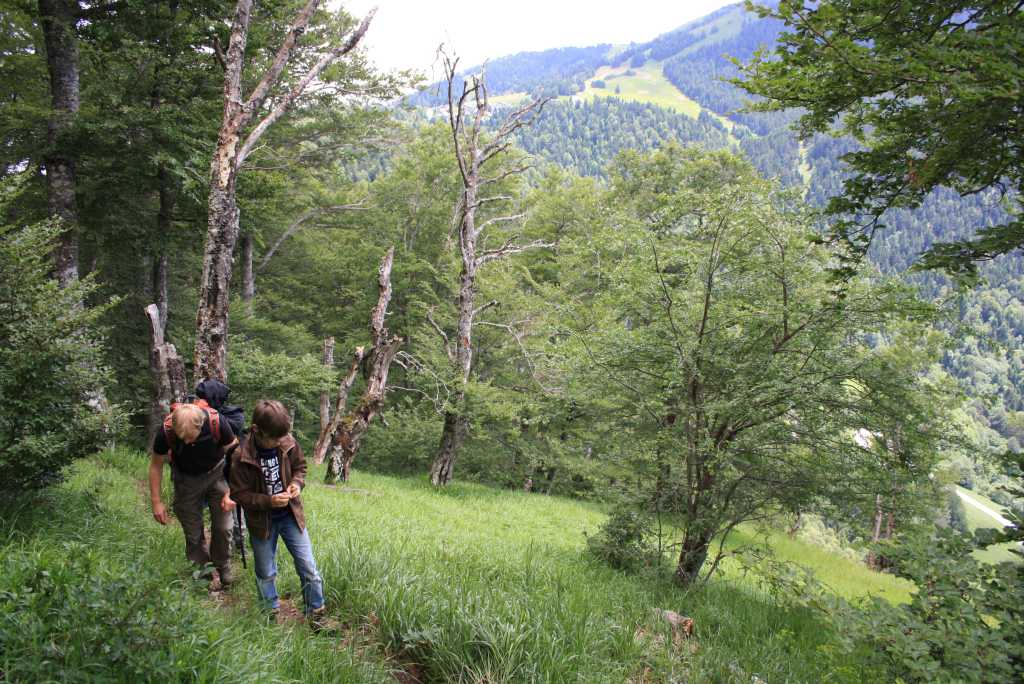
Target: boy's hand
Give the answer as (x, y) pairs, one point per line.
(292, 491)
(280, 500)
(227, 504)
(160, 513)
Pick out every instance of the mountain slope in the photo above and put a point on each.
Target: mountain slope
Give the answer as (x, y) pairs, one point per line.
(679, 75)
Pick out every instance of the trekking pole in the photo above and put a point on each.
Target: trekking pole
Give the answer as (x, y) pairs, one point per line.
(239, 536)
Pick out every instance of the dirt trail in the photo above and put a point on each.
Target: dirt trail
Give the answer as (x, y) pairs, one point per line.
(995, 515)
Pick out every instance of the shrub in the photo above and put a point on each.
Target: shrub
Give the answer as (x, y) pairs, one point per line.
(49, 361)
(66, 617)
(964, 624)
(626, 541)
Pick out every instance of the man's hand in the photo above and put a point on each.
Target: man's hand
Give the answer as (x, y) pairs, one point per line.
(293, 490)
(280, 500)
(160, 513)
(227, 504)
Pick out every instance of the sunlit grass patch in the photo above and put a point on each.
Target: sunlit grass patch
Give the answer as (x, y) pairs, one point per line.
(467, 583)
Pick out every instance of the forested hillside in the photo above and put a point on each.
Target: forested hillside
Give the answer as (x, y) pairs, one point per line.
(584, 135)
(558, 370)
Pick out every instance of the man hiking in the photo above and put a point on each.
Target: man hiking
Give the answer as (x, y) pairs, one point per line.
(194, 441)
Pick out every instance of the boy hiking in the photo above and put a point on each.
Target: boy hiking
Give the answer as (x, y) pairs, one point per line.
(194, 440)
(267, 475)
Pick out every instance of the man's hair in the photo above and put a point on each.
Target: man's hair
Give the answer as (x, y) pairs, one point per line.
(271, 418)
(187, 421)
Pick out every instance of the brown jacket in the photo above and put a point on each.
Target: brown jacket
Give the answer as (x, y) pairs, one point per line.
(250, 491)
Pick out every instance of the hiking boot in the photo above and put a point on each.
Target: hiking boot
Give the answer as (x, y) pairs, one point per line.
(227, 576)
(317, 619)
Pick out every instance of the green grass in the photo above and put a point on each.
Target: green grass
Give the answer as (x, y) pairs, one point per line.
(507, 99)
(92, 590)
(646, 84)
(977, 520)
(505, 572)
(465, 584)
(845, 578)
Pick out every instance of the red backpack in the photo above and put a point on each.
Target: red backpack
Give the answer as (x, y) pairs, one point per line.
(211, 414)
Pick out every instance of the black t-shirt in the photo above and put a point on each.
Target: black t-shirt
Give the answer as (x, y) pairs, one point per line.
(270, 464)
(200, 456)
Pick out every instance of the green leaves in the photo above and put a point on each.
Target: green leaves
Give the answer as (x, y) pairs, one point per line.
(50, 352)
(700, 321)
(962, 624)
(931, 92)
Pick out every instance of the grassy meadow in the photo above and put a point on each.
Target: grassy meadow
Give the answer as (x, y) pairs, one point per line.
(978, 520)
(466, 584)
(640, 84)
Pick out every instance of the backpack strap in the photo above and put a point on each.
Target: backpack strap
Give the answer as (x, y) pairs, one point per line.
(214, 417)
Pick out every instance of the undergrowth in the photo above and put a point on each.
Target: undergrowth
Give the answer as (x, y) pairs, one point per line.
(467, 584)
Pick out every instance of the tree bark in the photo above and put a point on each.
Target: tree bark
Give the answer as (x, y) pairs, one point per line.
(692, 555)
(248, 274)
(472, 153)
(346, 429)
(158, 330)
(456, 424)
(160, 297)
(453, 435)
(168, 372)
(234, 145)
(58, 19)
(795, 527)
(210, 360)
(872, 558)
(168, 196)
(325, 398)
(323, 442)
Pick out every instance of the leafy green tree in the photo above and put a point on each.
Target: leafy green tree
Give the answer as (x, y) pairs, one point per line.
(50, 355)
(930, 89)
(701, 325)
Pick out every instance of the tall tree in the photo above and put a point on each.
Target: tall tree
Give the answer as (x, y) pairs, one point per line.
(482, 164)
(243, 124)
(931, 90)
(700, 322)
(59, 19)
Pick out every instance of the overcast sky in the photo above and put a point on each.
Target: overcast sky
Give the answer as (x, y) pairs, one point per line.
(406, 33)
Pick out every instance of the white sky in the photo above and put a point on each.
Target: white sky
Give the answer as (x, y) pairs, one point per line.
(405, 33)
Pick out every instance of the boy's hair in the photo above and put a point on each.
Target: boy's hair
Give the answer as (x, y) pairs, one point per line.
(187, 421)
(271, 418)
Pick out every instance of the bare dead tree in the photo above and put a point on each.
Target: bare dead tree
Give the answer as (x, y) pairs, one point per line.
(325, 399)
(168, 371)
(345, 431)
(323, 442)
(243, 123)
(481, 164)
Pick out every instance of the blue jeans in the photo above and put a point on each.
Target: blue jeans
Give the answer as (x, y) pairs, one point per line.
(298, 544)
